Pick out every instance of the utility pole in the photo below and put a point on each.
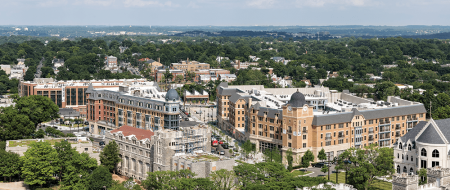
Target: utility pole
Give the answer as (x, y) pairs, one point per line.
(430, 109)
(329, 168)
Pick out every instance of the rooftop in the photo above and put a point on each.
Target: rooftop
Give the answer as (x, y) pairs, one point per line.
(138, 133)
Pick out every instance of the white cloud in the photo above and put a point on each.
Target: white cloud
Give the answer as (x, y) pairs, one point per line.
(52, 3)
(144, 3)
(261, 4)
(321, 3)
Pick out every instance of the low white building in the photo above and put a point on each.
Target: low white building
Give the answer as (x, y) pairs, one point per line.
(424, 146)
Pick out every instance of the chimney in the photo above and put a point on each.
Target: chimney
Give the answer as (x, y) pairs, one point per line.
(159, 60)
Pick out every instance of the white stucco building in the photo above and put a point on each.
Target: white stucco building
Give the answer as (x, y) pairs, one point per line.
(424, 146)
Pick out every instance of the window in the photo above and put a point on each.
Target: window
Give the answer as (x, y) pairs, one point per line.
(407, 157)
(304, 145)
(423, 164)
(409, 147)
(423, 152)
(435, 153)
(328, 127)
(434, 163)
(289, 137)
(304, 137)
(400, 146)
(405, 170)
(412, 158)
(398, 169)
(289, 145)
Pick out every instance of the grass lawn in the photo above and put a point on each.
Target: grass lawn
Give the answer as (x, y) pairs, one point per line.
(377, 185)
(300, 172)
(27, 142)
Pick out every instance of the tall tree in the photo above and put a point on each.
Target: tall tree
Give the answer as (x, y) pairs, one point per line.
(15, 125)
(38, 163)
(38, 108)
(370, 163)
(322, 156)
(100, 177)
(109, 157)
(65, 153)
(307, 158)
(224, 179)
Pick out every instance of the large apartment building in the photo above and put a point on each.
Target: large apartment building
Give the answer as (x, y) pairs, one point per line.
(138, 104)
(313, 118)
(189, 66)
(68, 94)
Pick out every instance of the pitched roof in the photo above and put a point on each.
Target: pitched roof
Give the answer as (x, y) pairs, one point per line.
(270, 112)
(411, 135)
(368, 114)
(138, 133)
(431, 136)
(444, 126)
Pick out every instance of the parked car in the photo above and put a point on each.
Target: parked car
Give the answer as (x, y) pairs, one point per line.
(101, 143)
(86, 123)
(320, 164)
(213, 151)
(222, 152)
(186, 119)
(347, 161)
(220, 142)
(225, 145)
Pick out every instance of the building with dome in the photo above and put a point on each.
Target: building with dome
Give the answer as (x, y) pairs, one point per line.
(137, 104)
(425, 146)
(304, 119)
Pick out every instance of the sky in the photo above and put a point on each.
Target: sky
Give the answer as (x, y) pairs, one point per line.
(225, 12)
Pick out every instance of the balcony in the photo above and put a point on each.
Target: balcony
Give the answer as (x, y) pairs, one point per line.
(370, 132)
(387, 129)
(397, 135)
(384, 122)
(289, 131)
(370, 139)
(398, 128)
(328, 138)
(341, 136)
(411, 119)
(305, 131)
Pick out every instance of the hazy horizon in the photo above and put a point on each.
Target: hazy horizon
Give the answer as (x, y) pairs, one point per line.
(225, 12)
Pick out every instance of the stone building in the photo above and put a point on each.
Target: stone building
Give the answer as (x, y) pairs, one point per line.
(437, 179)
(425, 146)
(145, 151)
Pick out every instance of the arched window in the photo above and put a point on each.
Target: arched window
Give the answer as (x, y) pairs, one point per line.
(435, 154)
(423, 152)
(409, 147)
(411, 170)
(400, 146)
(398, 169)
(406, 157)
(405, 170)
(398, 155)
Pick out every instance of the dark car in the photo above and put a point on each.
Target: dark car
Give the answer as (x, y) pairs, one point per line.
(213, 151)
(101, 143)
(225, 145)
(347, 161)
(86, 123)
(320, 164)
(186, 119)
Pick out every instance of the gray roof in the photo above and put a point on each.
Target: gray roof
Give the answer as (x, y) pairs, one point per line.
(227, 91)
(90, 89)
(332, 118)
(256, 106)
(235, 97)
(394, 111)
(444, 126)
(368, 114)
(431, 136)
(172, 94)
(297, 99)
(411, 135)
(270, 112)
(68, 112)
